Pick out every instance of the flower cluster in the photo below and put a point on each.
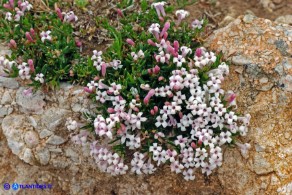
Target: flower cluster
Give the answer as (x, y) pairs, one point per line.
(18, 10)
(166, 106)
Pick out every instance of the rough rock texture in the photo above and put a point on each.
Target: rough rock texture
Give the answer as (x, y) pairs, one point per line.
(262, 53)
(36, 147)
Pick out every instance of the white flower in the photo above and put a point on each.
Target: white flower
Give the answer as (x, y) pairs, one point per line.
(71, 124)
(154, 28)
(176, 167)
(40, 77)
(197, 24)
(70, 17)
(182, 14)
(46, 36)
(179, 60)
(8, 16)
(161, 121)
(188, 175)
(115, 88)
(24, 71)
(181, 141)
(137, 119)
(140, 54)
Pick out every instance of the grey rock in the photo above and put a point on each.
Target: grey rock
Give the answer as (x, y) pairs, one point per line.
(45, 133)
(72, 154)
(240, 60)
(261, 165)
(6, 98)
(248, 18)
(16, 147)
(54, 117)
(287, 19)
(287, 83)
(28, 156)
(3, 111)
(76, 107)
(55, 140)
(33, 103)
(60, 163)
(31, 139)
(43, 156)
(8, 83)
(282, 47)
(279, 69)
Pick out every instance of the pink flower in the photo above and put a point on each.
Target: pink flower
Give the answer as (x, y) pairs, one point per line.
(130, 42)
(28, 37)
(12, 44)
(103, 69)
(165, 28)
(31, 30)
(59, 13)
(31, 66)
(148, 96)
(120, 13)
(156, 69)
(150, 42)
(86, 89)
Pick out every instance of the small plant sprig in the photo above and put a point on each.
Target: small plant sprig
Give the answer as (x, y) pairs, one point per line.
(160, 98)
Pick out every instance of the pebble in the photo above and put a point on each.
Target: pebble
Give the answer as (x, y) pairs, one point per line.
(6, 98)
(10, 83)
(55, 140)
(45, 133)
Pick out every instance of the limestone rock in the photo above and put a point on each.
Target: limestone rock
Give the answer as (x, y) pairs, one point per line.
(54, 117)
(8, 83)
(55, 140)
(263, 47)
(32, 103)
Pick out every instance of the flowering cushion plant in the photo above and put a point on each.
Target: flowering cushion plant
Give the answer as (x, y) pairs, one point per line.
(160, 99)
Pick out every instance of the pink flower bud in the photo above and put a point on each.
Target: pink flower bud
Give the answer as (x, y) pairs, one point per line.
(161, 19)
(28, 37)
(96, 78)
(160, 78)
(8, 6)
(130, 42)
(156, 69)
(198, 52)
(200, 142)
(152, 112)
(78, 43)
(86, 89)
(103, 69)
(19, 2)
(180, 115)
(165, 35)
(155, 109)
(59, 13)
(150, 42)
(167, 103)
(193, 144)
(32, 32)
(176, 46)
(136, 109)
(11, 2)
(165, 29)
(12, 44)
(31, 66)
(170, 95)
(120, 13)
(149, 71)
(148, 96)
(110, 110)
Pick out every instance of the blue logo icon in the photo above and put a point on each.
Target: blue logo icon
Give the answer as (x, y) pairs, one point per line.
(6, 186)
(15, 186)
